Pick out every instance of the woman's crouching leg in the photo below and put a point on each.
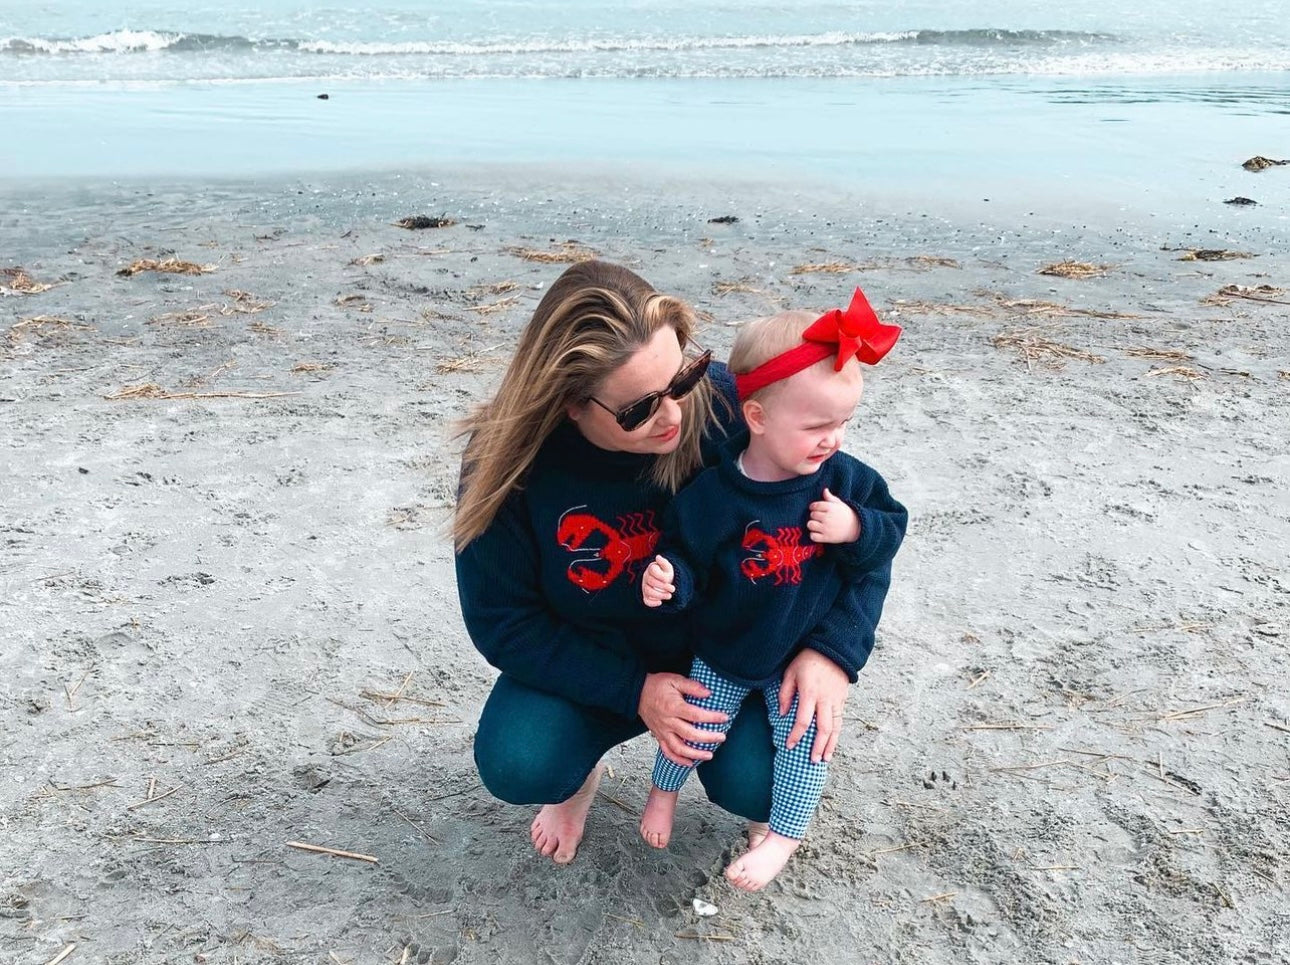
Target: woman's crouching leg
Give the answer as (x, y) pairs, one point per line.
(738, 778)
(533, 747)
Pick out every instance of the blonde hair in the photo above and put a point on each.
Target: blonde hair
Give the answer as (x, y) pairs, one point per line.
(590, 322)
(760, 340)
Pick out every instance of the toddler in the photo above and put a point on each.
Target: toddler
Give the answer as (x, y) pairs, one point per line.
(785, 545)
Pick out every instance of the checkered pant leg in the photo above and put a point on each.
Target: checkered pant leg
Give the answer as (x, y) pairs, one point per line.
(797, 783)
(725, 697)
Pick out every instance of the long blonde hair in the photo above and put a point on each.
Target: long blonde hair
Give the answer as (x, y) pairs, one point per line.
(593, 318)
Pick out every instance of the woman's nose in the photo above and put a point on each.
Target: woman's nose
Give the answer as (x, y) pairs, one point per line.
(669, 411)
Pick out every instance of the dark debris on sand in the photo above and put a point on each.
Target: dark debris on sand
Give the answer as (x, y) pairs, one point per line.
(1261, 163)
(419, 222)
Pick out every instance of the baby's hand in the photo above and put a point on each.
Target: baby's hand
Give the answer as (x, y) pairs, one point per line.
(833, 521)
(656, 584)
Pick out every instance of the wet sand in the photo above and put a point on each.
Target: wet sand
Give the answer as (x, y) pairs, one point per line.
(229, 622)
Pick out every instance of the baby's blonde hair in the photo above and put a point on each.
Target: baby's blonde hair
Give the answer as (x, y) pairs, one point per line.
(760, 340)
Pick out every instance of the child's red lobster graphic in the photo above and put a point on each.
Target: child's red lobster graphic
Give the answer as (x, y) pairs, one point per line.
(612, 552)
(781, 555)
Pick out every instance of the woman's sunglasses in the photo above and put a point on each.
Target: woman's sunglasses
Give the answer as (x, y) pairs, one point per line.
(635, 414)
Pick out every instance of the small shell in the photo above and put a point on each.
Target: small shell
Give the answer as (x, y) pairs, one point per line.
(704, 909)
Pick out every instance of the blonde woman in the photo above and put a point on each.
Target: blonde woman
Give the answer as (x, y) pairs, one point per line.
(606, 410)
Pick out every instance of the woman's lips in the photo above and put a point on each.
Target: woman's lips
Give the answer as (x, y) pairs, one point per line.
(668, 435)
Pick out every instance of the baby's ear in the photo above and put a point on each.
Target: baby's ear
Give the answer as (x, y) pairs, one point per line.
(755, 416)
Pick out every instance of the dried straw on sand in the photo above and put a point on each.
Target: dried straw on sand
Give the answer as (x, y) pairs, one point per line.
(723, 288)
(932, 261)
(150, 390)
(172, 266)
(1075, 269)
(824, 267)
(501, 305)
(1183, 373)
(20, 283)
(917, 307)
(1211, 254)
(38, 322)
(566, 253)
(1033, 306)
(244, 303)
(1261, 293)
(1158, 354)
(1032, 346)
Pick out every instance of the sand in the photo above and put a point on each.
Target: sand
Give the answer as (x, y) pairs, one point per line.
(228, 619)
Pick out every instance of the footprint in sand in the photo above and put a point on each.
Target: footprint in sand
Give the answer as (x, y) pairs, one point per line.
(940, 780)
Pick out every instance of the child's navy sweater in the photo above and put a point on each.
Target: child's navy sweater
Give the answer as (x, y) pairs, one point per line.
(760, 588)
(550, 592)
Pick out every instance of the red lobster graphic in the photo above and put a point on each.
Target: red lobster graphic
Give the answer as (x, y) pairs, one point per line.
(781, 555)
(600, 564)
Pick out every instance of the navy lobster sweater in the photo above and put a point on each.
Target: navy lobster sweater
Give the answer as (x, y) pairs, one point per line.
(760, 588)
(550, 592)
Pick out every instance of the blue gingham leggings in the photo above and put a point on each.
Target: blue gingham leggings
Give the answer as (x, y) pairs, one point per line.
(798, 783)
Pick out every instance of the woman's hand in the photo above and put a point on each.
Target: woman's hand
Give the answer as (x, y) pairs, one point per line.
(821, 688)
(671, 718)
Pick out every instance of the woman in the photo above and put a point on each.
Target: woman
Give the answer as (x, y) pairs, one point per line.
(606, 410)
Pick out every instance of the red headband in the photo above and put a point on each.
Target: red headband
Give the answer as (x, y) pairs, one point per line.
(853, 333)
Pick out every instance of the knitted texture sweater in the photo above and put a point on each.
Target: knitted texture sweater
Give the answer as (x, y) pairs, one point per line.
(760, 589)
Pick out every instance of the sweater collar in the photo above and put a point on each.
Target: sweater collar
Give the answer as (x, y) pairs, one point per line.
(731, 474)
(578, 454)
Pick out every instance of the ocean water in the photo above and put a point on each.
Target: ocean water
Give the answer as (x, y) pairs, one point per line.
(1153, 103)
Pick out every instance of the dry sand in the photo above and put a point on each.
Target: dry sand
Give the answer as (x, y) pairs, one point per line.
(228, 620)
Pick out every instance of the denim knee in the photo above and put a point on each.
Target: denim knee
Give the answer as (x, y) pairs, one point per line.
(739, 776)
(515, 772)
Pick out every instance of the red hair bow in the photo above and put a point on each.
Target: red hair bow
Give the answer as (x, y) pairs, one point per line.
(855, 333)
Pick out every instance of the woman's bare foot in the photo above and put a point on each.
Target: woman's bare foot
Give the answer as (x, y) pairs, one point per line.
(656, 822)
(557, 829)
(757, 831)
(754, 870)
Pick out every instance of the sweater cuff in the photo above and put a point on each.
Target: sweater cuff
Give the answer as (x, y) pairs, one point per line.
(631, 700)
(863, 553)
(683, 580)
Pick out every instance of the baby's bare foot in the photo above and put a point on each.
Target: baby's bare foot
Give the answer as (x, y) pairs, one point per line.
(656, 822)
(557, 829)
(757, 831)
(754, 870)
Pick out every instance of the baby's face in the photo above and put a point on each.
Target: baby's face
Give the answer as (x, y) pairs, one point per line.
(804, 420)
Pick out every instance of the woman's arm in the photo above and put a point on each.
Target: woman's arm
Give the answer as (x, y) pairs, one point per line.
(511, 625)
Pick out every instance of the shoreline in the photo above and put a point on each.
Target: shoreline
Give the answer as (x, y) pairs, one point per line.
(1121, 142)
(675, 199)
(231, 620)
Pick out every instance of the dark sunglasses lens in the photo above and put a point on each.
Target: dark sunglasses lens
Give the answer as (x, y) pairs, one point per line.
(638, 413)
(687, 380)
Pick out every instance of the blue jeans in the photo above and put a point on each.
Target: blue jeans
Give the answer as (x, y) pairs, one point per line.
(533, 747)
